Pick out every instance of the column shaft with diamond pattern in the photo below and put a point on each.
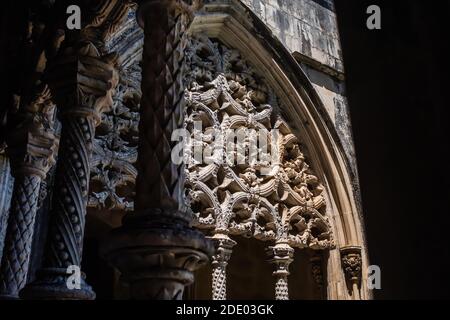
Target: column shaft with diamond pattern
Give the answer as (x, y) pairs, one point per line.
(159, 182)
(17, 250)
(159, 228)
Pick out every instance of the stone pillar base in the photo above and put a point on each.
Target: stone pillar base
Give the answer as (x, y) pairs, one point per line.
(52, 284)
(157, 253)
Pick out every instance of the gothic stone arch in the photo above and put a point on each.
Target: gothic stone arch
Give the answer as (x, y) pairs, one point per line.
(231, 26)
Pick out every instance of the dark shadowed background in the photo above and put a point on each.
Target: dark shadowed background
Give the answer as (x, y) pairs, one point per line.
(398, 90)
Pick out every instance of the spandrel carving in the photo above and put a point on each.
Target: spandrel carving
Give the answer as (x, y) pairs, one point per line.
(113, 171)
(225, 93)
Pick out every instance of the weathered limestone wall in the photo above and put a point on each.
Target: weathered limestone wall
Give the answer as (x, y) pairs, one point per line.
(304, 26)
(308, 29)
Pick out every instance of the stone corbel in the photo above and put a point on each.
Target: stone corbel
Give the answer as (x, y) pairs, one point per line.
(352, 267)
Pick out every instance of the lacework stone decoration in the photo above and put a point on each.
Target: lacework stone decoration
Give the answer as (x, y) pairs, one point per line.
(285, 208)
(113, 171)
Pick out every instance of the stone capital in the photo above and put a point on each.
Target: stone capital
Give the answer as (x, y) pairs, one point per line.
(223, 249)
(33, 140)
(281, 255)
(83, 81)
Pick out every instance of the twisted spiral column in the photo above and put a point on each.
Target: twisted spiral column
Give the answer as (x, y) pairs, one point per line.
(281, 256)
(80, 115)
(70, 198)
(159, 228)
(66, 229)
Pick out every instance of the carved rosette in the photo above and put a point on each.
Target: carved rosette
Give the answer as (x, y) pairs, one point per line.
(352, 266)
(281, 256)
(156, 250)
(31, 147)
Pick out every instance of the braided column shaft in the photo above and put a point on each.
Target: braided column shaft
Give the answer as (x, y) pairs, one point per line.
(19, 236)
(66, 229)
(160, 183)
(219, 281)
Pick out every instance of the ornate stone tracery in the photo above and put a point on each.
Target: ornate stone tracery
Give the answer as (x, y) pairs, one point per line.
(113, 172)
(113, 164)
(285, 207)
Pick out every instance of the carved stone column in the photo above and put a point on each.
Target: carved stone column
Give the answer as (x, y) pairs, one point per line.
(32, 146)
(352, 265)
(156, 250)
(223, 246)
(6, 189)
(281, 255)
(83, 83)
